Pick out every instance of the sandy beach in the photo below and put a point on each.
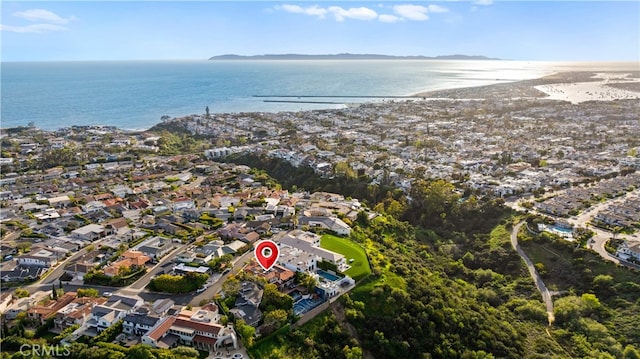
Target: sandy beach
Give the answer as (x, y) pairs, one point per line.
(578, 85)
(603, 89)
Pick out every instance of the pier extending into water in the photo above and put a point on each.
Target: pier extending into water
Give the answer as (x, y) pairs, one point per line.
(302, 98)
(316, 102)
(330, 96)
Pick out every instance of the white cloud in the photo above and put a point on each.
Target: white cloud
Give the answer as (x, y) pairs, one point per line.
(316, 11)
(292, 8)
(437, 8)
(339, 13)
(311, 10)
(483, 2)
(46, 21)
(389, 18)
(358, 13)
(33, 29)
(41, 15)
(401, 12)
(412, 12)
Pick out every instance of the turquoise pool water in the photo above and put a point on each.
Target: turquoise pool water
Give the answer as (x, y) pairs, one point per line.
(328, 276)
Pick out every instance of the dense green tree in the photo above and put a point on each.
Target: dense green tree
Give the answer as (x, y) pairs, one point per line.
(178, 283)
(246, 332)
(276, 318)
(21, 293)
(273, 299)
(183, 352)
(631, 353)
(140, 352)
(352, 353)
(88, 292)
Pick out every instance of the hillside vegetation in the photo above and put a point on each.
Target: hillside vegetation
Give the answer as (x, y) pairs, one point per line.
(445, 283)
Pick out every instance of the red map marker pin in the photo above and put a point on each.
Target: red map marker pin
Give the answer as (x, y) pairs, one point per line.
(267, 253)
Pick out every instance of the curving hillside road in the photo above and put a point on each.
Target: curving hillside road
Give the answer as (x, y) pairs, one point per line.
(546, 295)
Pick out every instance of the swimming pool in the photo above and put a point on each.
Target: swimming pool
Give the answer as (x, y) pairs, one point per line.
(561, 229)
(328, 276)
(296, 295)
(306, 305)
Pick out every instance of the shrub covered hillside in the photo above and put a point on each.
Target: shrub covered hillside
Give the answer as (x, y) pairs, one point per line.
(422, 301)
(466, 298)
(446, 283)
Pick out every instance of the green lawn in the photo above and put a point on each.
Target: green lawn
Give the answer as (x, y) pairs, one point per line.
(360, 265)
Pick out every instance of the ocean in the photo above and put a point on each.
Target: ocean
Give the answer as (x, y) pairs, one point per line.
(134, 95)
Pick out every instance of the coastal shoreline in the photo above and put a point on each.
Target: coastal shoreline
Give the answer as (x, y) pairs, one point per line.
(544, 87)
(557, 80)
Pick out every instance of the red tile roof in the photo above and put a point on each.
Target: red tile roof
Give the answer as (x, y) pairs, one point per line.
(162, 329)
(203, 327)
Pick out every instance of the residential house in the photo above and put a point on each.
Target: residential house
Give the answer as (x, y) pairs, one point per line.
(116, 308)
(199, 329)
(5, 299)
(41, 312)
(629, 250)
(102, 317)
(18, 306)
(249, 237)
(310, 243)
(60, 202)
(94, 206)
(278, 275)
(333, 224)
(127, 303)
(208, 252)
(184, 269)
(21, 273)
(76, 312)
(297, 260)
(130, 259)
(248, 302)
(90, 232)
(162, 306)
(40, 257)
(118, 226)
(156, 247)
(138, 324)
(183, 203)
(238, 231)
(233, 247)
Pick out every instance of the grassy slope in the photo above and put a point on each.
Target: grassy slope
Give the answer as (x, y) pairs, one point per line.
(351, 250)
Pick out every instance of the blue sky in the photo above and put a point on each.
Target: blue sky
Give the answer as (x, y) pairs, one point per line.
(122, 30)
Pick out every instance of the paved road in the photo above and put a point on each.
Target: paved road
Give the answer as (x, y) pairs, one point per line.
(138, 287)
(597, 243)
(583, 220)
(164, 263)
(601, 236)
(213, 289)
(182, 299)
(546, 295)
(54, 275)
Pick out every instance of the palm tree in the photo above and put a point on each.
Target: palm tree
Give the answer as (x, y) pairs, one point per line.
(616, 230)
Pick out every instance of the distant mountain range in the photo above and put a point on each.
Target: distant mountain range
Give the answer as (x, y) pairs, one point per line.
(347, 57)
